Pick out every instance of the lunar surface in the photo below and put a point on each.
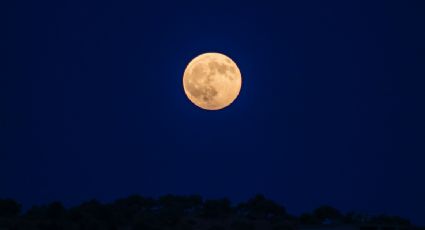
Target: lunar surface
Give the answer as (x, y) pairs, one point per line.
(212, 81)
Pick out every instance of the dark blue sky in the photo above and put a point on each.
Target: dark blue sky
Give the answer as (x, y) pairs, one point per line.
(332, 107)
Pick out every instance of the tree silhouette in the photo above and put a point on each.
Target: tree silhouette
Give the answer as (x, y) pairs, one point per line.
(92, 215)
(133, 206)
(216, 208)
(259, 207)
(55, 211)
(355, 218)
(328, 213)
(181, 203)
(389, 220)
(171, 212)
(242, 225)
(309, 219)
(9, 208)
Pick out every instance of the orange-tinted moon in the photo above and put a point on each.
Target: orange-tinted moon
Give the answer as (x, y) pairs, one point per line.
(212, 81)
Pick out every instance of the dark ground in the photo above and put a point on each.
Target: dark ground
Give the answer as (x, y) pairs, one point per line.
(187, 213)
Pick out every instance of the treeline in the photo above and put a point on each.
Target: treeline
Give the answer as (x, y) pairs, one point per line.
(178, 212)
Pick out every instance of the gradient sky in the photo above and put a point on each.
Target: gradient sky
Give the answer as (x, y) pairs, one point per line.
(332, 107)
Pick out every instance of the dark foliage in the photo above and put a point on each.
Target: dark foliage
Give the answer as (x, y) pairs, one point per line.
(216, 208)
(9, 208)
(179, 212)
(327, 213)
(261, 208)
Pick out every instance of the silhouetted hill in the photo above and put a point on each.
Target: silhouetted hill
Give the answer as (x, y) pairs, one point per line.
(187, 213)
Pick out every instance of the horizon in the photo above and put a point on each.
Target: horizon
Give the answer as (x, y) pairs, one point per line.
(181, 208)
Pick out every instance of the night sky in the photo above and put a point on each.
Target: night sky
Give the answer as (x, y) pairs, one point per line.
(331, 111)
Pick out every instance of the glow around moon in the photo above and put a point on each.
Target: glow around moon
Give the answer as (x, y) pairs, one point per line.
(212, 81)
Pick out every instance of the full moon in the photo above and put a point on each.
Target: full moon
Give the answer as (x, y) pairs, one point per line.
(212, 81)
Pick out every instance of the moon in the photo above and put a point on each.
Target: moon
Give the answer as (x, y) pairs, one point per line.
(212, 81)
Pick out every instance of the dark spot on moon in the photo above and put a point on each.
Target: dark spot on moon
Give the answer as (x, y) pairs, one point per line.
(204, 92)
(193, 90)
(209, 93)
(217, 67)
